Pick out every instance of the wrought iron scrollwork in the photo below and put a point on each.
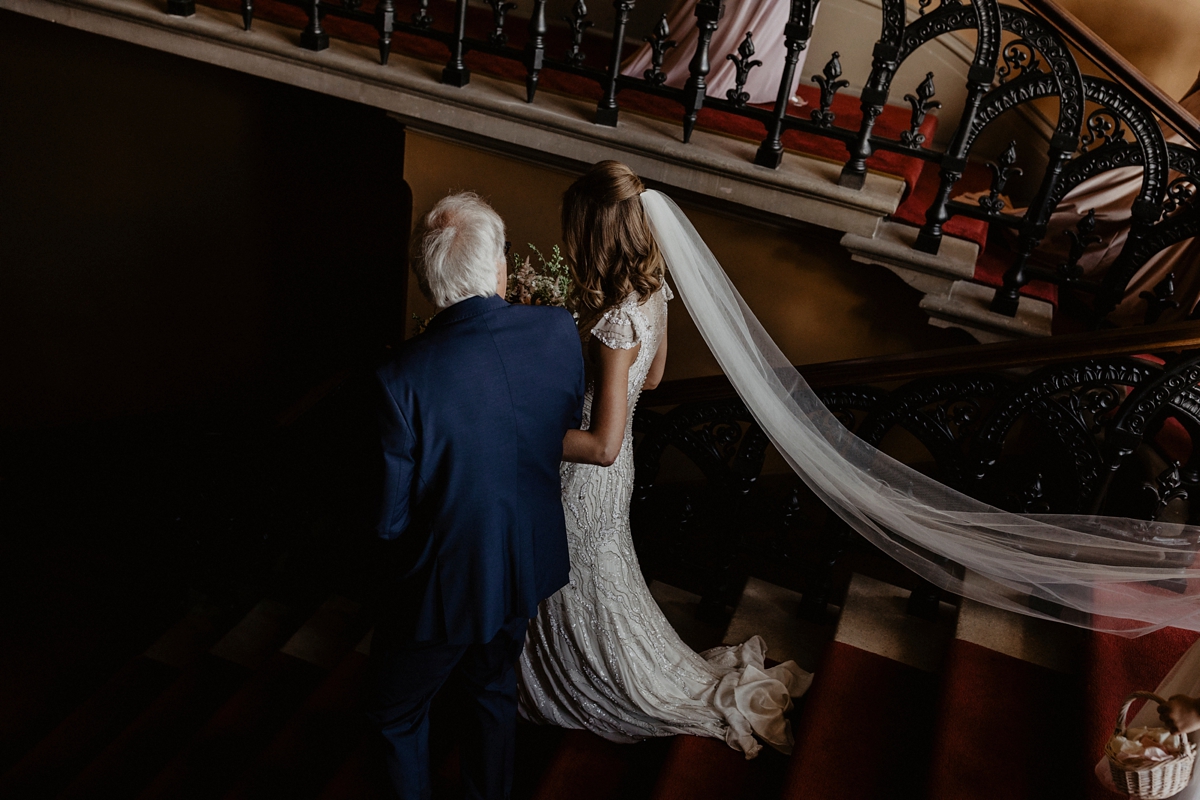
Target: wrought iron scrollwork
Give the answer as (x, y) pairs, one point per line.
(922, 103)
(1029, 496)
(1159, 299)
(1180, 192)
(659, 43)
(579, 25)
(830, 82)
(743, 63)
(500, 10)
(1002, 172)
(1081, 238)
(1165, 487)
(421, 17)
(1019, 57)
(1104, 125)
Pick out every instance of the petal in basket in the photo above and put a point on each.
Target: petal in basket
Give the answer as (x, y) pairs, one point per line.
(1149, 763)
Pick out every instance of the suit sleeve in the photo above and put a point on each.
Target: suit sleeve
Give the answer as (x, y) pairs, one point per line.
(576, 349)
(397, 442)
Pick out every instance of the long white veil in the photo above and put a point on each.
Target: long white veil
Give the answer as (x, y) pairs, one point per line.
(1101, 570)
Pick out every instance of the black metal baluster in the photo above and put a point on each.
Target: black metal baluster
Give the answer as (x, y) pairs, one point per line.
(708, 14)
(796, 34)
(659, 43)
(247, 14)
(535, 49)
(954, 162)
(386, 13)
(181, 8)
(1033, 227)
(884, 63)
(607, 110)
(314, 36)
(456, 72)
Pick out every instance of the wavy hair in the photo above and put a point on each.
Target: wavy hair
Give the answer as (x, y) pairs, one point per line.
(457, 249)
(609, 246)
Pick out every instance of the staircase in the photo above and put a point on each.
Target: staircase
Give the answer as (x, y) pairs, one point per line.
(958, 269)
(951, 707)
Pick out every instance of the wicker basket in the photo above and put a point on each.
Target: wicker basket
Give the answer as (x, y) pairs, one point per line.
(1159, 781)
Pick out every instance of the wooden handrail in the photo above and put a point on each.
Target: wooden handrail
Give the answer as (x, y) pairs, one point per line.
(956, 360)
(1117, 66)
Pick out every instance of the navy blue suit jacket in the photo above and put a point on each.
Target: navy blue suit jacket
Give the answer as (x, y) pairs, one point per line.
(474, 413)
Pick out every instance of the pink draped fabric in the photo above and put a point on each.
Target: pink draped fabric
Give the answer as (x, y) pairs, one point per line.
(766, 18)
(1111, 195)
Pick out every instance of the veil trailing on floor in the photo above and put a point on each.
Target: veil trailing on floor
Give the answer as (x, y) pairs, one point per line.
(1105, 572)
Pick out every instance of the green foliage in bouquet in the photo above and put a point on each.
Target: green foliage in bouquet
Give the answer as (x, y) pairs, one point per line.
(546, 285)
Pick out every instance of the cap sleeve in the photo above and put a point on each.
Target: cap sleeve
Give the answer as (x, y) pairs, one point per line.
(667, 293)
(615, 329)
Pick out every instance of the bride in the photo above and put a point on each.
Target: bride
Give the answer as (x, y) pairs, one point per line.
(600, 655)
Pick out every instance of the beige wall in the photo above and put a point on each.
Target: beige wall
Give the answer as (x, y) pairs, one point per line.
(1160, 37)
(816, 302)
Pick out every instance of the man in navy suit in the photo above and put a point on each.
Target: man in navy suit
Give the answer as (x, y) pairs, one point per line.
(474, 413)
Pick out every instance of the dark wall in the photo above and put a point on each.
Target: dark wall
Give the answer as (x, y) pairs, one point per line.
(179, 237)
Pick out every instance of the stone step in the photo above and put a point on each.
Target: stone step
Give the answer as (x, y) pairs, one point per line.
(953, 299)
(1010, 682)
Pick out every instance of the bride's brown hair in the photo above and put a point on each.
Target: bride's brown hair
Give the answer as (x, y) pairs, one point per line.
(609, 245)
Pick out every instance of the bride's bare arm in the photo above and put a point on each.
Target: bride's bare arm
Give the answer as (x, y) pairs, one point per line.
(654, 376)
(601, 443)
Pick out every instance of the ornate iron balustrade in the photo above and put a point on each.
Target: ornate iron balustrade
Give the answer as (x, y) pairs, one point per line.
(1114, 435)
(1019, 58)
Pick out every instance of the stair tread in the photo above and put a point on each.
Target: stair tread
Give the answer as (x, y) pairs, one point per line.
(133, 758)
(246, 722)
(864, 731)
(587, 767)
(308, 749)
(698, 768)
(991, 738)
(243, 724)
(55, 760)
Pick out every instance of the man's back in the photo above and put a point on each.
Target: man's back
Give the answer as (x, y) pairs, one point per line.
(474, 415)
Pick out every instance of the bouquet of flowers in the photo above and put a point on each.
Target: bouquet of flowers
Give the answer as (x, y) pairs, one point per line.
(546, 285)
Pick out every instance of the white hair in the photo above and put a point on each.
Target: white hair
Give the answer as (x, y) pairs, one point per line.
(458, 250)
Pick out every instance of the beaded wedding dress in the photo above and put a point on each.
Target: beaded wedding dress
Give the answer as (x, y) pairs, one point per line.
(600, 655)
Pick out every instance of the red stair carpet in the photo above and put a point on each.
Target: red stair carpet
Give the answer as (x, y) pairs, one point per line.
(865, 729)
(1005, 729)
